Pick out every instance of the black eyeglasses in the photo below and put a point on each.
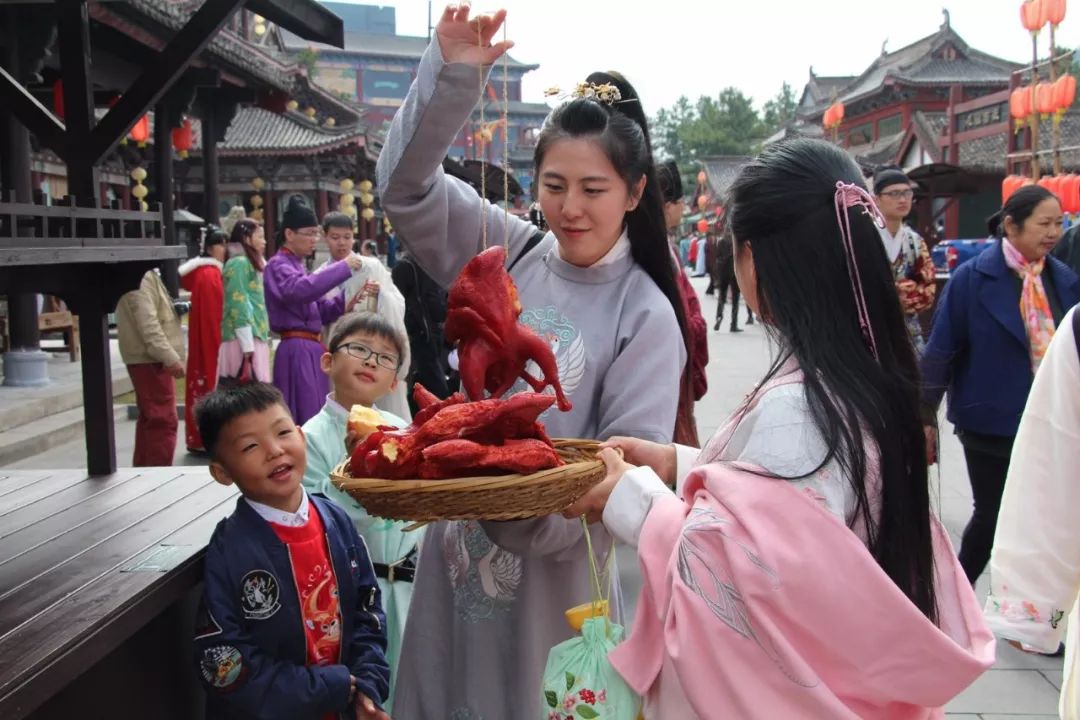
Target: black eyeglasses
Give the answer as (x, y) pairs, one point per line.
(899, 194)
(363, 352)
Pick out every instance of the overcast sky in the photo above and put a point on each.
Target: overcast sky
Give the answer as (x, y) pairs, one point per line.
(696, 47)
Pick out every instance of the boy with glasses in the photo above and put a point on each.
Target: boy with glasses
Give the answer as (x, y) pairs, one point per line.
(907, 251)
(365, 354)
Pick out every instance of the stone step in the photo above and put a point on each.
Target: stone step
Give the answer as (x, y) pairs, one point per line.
(33, 404)
(41, 435)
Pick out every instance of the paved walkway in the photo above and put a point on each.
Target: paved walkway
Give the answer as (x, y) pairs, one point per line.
(1020, 687)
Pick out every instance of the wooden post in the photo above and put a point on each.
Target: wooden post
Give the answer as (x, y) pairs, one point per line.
(1056, 123)
(1034, 120)
(97, 395)
(22, 309)
(74, 43)
(269, 218)
(163, 170)
(211, 195)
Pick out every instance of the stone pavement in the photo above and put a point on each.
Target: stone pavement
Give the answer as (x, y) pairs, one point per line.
(1020, 686)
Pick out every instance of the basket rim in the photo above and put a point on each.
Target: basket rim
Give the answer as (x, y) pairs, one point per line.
(478, 483)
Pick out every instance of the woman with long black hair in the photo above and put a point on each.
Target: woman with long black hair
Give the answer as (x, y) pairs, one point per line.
(799, 572)
(600, 287)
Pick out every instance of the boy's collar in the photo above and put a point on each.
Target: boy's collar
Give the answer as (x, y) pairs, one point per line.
(282, 517)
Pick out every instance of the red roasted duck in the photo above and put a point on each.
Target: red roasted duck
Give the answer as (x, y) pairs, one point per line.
(453, 438)
(493, 347)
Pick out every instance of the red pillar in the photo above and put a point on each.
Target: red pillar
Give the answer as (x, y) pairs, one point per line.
(323, 204)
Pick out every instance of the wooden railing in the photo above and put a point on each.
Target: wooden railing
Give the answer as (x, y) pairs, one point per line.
(26, 225)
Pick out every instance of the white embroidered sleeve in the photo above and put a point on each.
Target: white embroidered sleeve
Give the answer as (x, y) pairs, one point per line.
(630, 503)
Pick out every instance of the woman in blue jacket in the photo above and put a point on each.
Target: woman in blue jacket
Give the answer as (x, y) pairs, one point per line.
(990, 330)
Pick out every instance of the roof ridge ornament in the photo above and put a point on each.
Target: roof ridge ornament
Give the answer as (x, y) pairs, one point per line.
(947, 24)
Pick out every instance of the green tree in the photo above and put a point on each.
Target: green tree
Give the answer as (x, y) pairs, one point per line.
(779, 111)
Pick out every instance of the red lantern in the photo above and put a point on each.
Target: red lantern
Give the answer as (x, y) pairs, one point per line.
(1064, 92)
(1032, 16)
(181, 139)
(703, 226)
(1055, 11)
(1044, 99)
(1020, 103)
(834, 115)
(1067, 192)
(140, 131)
(1008, 187)
(702, 202)
(58, 98)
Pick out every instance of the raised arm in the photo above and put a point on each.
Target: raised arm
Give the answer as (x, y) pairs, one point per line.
(440, 218)
(293, 284)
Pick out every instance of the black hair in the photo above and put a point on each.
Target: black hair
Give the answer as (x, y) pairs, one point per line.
(370, 323)
(241, 237)
(336, 219)
(782, 205)
(214, 236)
(621, 131)
(215, 410)
(671, 188)
(1020, 206)
(888, 175)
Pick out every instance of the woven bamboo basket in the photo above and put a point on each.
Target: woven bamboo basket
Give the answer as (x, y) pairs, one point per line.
(500, 497)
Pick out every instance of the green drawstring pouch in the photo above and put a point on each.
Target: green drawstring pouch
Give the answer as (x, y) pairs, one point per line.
(579, 682)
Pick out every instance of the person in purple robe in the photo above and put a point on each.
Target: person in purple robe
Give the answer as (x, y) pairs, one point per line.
(298, 308)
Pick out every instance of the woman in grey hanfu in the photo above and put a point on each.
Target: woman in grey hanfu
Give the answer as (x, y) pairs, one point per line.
(489, 597)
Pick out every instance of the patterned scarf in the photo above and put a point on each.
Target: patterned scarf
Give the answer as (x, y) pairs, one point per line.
(1034, 304)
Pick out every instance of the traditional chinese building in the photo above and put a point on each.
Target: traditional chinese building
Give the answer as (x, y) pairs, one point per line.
(377, 66)
(939, 109)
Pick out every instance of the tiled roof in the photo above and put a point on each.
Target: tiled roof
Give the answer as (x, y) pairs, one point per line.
(879, 152)
(256, 130)
(721, 171)
(819, 89)
(261, 63)
(988, 154)
(795, 130)
(395, 46)
(918, 63)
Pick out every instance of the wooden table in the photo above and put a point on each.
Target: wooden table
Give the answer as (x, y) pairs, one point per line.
(98, 582)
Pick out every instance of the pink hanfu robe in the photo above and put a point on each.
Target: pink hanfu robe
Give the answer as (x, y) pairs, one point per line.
(760, 603)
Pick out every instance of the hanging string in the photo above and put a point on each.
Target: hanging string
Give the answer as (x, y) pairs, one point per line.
(506, 146)
(600, 578)
(480, 140)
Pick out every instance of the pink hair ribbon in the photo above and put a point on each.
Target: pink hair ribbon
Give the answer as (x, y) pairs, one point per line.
(850, 195)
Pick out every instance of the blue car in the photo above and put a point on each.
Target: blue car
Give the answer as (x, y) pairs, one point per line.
(951, 254)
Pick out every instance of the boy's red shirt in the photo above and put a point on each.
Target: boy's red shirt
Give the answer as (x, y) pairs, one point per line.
(317, 587)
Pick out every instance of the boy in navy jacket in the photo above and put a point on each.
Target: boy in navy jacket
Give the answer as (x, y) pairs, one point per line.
(291, 624)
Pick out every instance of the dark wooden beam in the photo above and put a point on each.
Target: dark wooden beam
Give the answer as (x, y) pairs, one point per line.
(156, 80)
(306, 18)
(73, 25)
(164, 117)
(211, 213)
(32, 114)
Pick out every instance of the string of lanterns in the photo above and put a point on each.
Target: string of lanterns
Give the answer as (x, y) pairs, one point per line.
(367, 200)
(1042, 99)
(256, 199)
(140, 191)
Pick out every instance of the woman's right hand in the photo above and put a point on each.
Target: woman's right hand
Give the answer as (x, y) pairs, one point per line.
(661, 458)
(465, 40)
